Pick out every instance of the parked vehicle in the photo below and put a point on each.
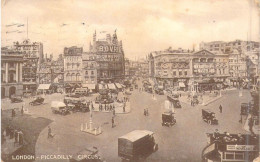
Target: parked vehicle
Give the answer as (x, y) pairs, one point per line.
(16, 99)
(209, 117)
(136, 145)
(159, 90)
(59, 108)
(168, 119)
(37, 101)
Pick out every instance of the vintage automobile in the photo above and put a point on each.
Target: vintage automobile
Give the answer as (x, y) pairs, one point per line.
(79, 107)
(59, 108)
(209, 117)
(16, 99)
(131, 88)
(168, 119)
(87, 155)
(174, 100)
(159, 90)
(37, 101)
(136, 145)
(136, 86)
(148, 88)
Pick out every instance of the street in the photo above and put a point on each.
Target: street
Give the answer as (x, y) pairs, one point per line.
(182, 142)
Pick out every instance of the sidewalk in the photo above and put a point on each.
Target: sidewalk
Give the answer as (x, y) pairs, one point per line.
(256, 128)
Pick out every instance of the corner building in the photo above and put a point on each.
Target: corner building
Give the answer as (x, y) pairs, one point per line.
(109, 58)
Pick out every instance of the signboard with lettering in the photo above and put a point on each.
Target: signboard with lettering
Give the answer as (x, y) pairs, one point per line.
(109, 49)
(241, 148)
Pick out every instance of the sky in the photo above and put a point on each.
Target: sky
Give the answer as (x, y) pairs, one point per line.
(143, 25)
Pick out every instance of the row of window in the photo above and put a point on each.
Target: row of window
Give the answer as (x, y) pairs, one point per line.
(73, 58)
(73, 77)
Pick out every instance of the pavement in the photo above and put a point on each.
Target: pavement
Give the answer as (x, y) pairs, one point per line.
(182, 142)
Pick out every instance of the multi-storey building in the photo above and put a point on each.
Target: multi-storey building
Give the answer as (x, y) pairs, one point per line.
(228, 47)
(11, 73)
(52, 72)
(33, 55)
(170, 68)
(73, 67)
(109, 57)
(127, 67)
(89, 69)
(179, 68)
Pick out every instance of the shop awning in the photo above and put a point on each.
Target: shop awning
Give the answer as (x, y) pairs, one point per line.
(119, 86)
(111, 86)
(89, 86)
(181, 84)
(44, 86)
(102, 86)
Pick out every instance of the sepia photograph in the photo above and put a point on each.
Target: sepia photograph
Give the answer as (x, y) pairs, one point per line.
(130, 80)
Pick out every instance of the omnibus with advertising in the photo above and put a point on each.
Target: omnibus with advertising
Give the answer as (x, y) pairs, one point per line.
(231, 148)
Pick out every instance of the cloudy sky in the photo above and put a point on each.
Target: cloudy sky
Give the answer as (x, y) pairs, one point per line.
(142, 25)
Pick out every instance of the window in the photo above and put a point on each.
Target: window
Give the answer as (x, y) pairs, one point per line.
(92, 72)
(86, 73)
(185, 73)
(180, 73)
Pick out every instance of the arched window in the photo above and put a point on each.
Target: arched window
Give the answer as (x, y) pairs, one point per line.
(68, 77)
(78, 77)
(73, 77)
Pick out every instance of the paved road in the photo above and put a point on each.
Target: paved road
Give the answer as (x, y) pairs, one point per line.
(182, 142)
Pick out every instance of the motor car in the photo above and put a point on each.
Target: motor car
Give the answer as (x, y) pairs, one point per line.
(168, 119)
(209, 117)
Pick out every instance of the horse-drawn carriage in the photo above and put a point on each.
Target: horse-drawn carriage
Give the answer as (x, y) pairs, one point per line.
(168, 119)
(37, 101)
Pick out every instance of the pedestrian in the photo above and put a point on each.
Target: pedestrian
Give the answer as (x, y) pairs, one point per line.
(220, 109)
(147, 113)
(250, 124)
(111, 107)
(240, 121)
(114, 112)
(49, 132)
(15, 137)
(113, 122)
(101, 107)
(13, 113)
(124, 108)
(20, 137)
(22, 111)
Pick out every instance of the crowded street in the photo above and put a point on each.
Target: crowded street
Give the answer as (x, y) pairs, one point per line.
(182, 142)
